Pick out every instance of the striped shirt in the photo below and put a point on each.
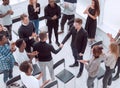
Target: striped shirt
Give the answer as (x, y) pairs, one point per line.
(6, 58)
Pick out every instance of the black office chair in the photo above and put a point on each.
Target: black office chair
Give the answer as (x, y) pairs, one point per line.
(65, 76)
(51, 84)
(96, 43)
(100, 75)
(36, 70)
(57, 1)
(11, 81)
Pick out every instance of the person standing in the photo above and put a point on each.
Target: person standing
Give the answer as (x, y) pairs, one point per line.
(68, 12)
(34, 11)
(44, 55)
(110, 62)
(116, 39)
(78, 43)
(5, 13)
(6, 58)
(93, 11)
(93, 65)
(52, 14)
(27, 32)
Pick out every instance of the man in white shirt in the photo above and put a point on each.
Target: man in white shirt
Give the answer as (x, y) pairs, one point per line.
(5, 15)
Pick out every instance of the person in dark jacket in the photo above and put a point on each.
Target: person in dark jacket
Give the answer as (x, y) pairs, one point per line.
(44, 55)
(78, 43)
(27, 32)
(52, 14)
(34, 11)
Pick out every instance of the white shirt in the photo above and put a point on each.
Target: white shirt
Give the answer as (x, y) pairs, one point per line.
(70, 10)
(7, 20)
(110, 60)
(20, 56)
(29, 81)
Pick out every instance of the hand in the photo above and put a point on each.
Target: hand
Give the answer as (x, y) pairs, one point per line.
(37, 9)
(34, 53)
(82, 61)
(109, 35)
(61, 46)
(80, 54)
(12, 47)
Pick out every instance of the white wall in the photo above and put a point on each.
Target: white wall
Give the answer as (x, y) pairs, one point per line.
(112, 14)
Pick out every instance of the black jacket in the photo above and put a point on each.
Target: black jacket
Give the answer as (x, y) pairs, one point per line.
(44, 50)
(79, 39)
(50, 12)
(33, 15)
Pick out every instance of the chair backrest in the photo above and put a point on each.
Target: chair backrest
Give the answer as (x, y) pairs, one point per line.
(96, 43)
(57, 1)
(101, 73)
(36, 70)
(13, 80)
(1, 72)
(62, 61)
(51, 84)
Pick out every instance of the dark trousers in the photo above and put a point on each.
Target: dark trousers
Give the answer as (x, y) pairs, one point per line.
(77, 57)
(90, 82)
(7, 74)
(9, 28)
(29, 45)
(64, 19)
(118, 64)
(50, 28)
(107, 80)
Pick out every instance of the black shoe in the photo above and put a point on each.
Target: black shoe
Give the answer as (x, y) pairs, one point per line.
(58, 43)
(78, 75)
(74, 65)
(115, 78)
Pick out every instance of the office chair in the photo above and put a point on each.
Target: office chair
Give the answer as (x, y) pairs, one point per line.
(65, 76)
(36, 70)
(51, 84)
(11, 81)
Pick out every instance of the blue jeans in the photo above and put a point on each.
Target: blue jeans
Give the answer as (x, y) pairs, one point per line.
(7, 74)
(36, 24)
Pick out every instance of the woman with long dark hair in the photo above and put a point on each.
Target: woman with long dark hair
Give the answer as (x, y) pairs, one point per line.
(93, 11)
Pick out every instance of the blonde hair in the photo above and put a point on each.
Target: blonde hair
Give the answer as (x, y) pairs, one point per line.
(114, 49)
(31, 2)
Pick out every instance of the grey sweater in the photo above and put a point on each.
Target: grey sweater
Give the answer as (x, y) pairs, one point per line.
(93, 66)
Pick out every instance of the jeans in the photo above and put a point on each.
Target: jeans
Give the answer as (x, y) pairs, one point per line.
(9, 28)
(7, 74)
(90, 82)
(36, 24)
(43, 65)
(107, 80)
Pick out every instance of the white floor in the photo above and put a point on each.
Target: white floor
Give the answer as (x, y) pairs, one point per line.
(67, 54)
